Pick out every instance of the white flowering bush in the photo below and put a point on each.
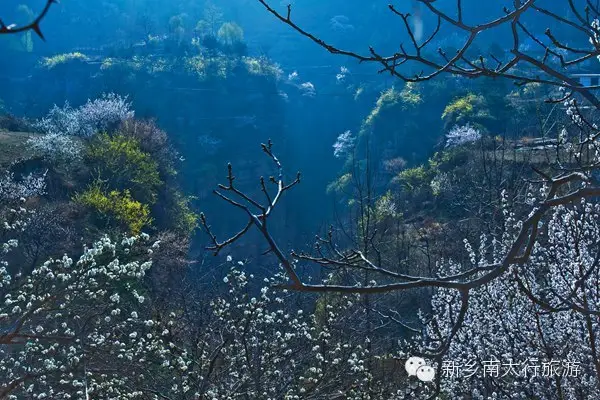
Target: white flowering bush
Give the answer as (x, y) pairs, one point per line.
(84, 328)
(533, 332)
(77, 328)
(343, 144)
(341, 76)
(56, 148)
(307, 89)
(12, 189)
(101, 114)
(256, 347)
(74, 328)
(460, 135)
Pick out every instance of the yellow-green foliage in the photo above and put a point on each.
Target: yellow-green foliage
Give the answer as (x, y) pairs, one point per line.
(521, 98)
(262, 67)
(385, 207)
(339, 184)
(184, 220)
(196, 65)
(52, 62)
(414, 178)
(136, 63)
(203, 67)
(230, 33)
(150, 65)
(408, 97)
(435, 173)
(159, 65)
(118, 205)
(120, 159)
(108, 63)
(461, 107)
(220, 66)
(387, 98)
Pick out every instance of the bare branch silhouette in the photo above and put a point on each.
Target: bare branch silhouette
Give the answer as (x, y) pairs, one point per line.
(33, 26)
(563, 189)
(550, 66)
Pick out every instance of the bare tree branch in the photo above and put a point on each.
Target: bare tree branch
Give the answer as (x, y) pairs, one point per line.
(523, 67)
(518, 253)
(33, 26)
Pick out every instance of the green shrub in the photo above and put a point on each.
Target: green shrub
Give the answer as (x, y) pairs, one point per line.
(54, 61)
(340, 184)
(261, 66)
(410, 96)
(407, 98)
(182, 218)
(388, 98)
(230, 34)
(471, 108)
(154, 141)
(461, 106)
(414, 178)
(205, 67)
(116, 205)
(120, 159)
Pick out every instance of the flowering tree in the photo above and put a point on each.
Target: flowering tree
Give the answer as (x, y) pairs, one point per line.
(255, 346)
(75, 327)
(12, 189)
(63, 125)
(56, 148)
(527, 334)
(460, 135)
(104, 113)
(343, 144)
(82, 329)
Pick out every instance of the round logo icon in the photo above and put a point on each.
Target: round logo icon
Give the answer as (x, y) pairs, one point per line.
(415, 366)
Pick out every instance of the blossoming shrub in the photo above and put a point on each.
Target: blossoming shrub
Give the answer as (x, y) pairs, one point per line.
(57, 148)
(102, 114)
(460, 135)
(12, 188)
(255, 346)
(77, 328)
(550, 343)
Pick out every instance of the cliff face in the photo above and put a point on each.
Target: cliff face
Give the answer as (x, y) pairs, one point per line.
(215, 108)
